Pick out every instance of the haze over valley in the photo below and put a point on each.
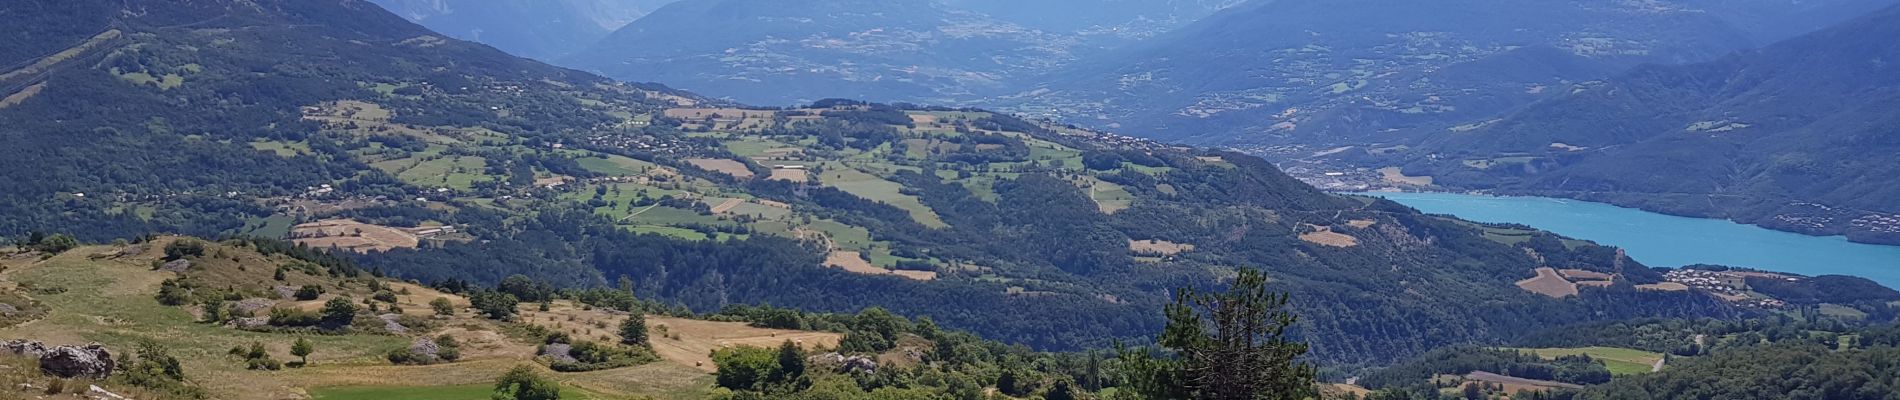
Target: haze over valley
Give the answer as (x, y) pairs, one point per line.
(949, 199)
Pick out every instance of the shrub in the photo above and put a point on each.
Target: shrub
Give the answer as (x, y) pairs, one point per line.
(184, 248)
(442, 306)
(309, 292)
(522, 383)
(291, 317)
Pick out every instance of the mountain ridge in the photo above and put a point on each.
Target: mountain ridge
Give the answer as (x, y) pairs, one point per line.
(1781, 136)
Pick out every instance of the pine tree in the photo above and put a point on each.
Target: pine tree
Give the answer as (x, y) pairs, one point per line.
(633, 331)
(1228, 346)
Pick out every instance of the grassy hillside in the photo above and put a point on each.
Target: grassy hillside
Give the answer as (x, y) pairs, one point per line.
(110, 295)
(450, 163)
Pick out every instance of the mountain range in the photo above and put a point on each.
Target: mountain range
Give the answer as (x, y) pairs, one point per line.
(1036, 234)
(342, 169)
(928, 51)
(539, 29)
(1794, 136)
(1318, 74)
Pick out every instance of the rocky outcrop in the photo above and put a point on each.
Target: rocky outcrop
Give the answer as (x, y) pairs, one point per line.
(559, 353)
(845, 364)
(25, 348)
(425, 349)
(91, 361)
(393, 323)
(177, 266)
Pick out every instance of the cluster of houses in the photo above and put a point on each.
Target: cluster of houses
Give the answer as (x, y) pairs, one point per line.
(1723, 284)
(642, 143)
(1877, 223)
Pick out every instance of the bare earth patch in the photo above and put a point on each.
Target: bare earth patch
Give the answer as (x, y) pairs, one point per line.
(1361, 223)
(1324, 235)
(1160, 247)
(724, 166)
(852, 261)
(17, 98)
(1549, 283)
(348, 234)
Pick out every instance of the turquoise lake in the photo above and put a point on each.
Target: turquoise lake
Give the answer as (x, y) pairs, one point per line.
(1671, 241)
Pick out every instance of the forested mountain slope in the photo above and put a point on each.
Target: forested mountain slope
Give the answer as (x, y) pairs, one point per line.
(1796, 136)
(539, 29)
(1319, 74)
(450, 162)
(920, 51)
(781, 52)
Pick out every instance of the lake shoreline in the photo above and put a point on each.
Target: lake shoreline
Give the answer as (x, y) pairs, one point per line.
(1659, 239)
(1598, 197)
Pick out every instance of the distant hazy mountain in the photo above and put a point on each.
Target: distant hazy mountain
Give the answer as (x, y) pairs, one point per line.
(1798, 136)
(542, 29)
(780, 51)
(1108, 19)
(1313, 72)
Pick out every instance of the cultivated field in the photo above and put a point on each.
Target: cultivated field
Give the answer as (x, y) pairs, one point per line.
(854, 262)
(1549, 283)
(788, 174)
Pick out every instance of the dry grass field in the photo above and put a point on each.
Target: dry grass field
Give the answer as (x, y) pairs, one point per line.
(1158, 247)
(697, 339)
(1394, 175)
(724, 166)
(351, 235)
(1585, 275)
(1549, 283)
(788, 174)
(1324, 235)
(1664, 286)
(103, 296)
(21, 96)
(854, 262)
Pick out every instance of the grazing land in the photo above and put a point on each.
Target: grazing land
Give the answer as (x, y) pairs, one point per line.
(348, 234)
(873, 188)
(697, 339)
(1621, 361)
